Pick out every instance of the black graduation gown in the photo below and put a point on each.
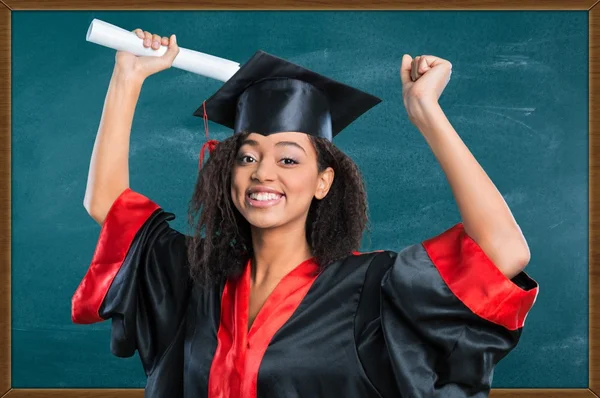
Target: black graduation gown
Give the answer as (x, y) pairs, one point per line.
(432, 320)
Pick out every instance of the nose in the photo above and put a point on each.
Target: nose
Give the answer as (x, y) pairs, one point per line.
(264, 170)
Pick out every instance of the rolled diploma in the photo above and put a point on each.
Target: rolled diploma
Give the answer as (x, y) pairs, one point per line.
(114, 37)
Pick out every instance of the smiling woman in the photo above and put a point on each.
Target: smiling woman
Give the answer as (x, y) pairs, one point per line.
(309, 207)
(269, 297)
(269, 172)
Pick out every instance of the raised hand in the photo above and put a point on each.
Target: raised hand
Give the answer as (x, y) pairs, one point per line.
(424, 78)
(143, 66)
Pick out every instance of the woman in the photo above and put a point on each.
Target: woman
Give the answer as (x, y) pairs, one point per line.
(269, 297)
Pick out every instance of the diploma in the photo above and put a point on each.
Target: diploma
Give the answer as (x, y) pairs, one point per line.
(114, 37)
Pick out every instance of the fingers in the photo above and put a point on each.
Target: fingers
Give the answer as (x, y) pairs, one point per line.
(144, 35)
(147, 39)
(414, 73)
(432, 61)
(173, 49)
(423, 63)
(155, 41)
(151, 40)
(405, 69)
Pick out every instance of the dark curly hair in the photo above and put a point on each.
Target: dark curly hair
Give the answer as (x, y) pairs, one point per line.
(221, 245)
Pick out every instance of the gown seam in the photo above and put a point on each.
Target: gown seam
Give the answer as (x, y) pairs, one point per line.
(455, 344)
(447, 357)
(362, 369)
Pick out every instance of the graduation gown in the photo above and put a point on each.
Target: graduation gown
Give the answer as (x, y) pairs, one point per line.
(432, 320)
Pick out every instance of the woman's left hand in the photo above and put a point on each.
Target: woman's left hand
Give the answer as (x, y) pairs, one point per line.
(424, 78)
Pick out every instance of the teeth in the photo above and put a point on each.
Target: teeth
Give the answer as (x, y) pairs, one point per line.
(264, 196)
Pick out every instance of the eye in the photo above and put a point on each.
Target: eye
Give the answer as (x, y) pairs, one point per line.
(246, 159)
(288, 161)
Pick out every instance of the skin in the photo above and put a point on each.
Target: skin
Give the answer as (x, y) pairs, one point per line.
(286, 163)
(278, 236)
(485, 215)
(108, 174)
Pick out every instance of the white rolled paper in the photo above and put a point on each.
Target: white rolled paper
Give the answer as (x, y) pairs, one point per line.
(114, 37)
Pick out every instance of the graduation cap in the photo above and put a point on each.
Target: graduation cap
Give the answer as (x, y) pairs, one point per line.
(268, 95)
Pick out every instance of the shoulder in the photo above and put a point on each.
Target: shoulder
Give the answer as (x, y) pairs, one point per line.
(368, 257)
(356, 264)
(359, 268)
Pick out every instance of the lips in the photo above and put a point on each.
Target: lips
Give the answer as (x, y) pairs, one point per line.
(263, 197)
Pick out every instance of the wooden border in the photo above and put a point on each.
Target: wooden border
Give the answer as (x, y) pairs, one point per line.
(137, 5)
(5, 136)
(9, 6)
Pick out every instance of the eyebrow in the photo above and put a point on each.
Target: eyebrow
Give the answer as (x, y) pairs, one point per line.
(280, 143)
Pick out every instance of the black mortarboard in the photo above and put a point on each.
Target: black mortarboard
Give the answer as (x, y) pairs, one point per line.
(269, 95)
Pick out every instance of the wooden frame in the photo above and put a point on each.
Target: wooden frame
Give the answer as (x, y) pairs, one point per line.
(9, 6)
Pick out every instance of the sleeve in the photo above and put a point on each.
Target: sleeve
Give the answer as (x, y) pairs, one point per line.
(138, 278)
(449, 316)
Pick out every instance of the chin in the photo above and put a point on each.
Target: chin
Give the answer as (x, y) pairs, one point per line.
(263, 221)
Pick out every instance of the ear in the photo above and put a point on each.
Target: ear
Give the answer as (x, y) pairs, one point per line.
(324, 183)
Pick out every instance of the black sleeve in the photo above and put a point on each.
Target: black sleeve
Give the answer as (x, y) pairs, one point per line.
(448, 316)
(138, 278)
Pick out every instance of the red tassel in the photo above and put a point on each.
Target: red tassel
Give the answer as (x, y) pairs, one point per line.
(209, 144)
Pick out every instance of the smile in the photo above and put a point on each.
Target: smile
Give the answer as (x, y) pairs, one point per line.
(263, 199)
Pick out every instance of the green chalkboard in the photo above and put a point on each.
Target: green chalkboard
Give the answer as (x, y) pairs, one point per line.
(518, 98)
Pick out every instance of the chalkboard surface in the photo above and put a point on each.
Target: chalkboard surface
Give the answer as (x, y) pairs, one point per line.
(518, 98)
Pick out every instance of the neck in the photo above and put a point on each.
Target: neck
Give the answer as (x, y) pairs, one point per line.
(277, 252)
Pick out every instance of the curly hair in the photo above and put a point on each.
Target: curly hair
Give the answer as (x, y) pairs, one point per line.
(221, 243)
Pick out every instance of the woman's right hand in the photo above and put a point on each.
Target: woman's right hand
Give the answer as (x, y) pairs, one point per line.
(143, 66)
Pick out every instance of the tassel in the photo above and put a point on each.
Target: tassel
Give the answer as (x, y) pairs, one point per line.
(209, 144)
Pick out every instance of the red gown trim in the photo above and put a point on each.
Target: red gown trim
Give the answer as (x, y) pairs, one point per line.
(476, 281)
(234, 370)
(124, 219)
